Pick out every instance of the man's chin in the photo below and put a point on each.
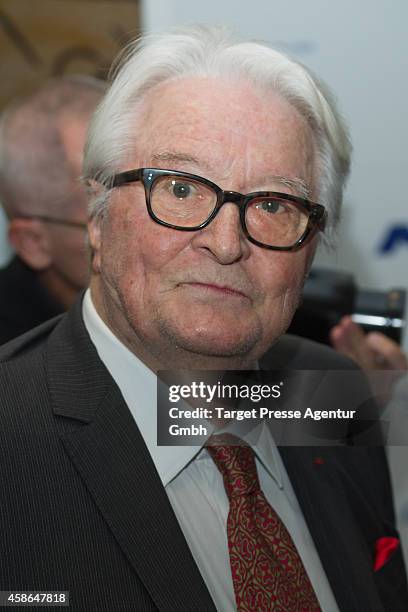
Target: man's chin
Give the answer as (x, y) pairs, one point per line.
(212, 343)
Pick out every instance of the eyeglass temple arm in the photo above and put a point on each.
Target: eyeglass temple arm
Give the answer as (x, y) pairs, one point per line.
(129, 176)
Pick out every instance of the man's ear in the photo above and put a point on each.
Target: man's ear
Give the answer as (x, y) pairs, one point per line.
(95, 240)
(30, 240)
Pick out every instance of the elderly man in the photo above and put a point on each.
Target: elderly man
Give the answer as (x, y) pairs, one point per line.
(41, 149)
(206, 161)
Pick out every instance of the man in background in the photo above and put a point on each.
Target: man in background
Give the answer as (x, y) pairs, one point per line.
(375, 352)
(41, 143)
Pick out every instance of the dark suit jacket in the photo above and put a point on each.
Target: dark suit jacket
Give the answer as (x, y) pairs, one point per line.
(24, 302)
(83, 509)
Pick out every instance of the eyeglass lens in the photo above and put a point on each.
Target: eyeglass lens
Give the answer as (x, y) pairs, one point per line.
(188, 203)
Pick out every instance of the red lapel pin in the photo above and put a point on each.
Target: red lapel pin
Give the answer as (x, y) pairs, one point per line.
(318, 461)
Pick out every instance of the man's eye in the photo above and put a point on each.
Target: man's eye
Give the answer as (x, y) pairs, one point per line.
(181, 190)
(270, 206)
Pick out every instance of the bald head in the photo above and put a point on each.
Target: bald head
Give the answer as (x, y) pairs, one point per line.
(41, 146)
(41, 141)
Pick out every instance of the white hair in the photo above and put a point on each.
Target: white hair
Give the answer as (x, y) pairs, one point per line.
(213, 51)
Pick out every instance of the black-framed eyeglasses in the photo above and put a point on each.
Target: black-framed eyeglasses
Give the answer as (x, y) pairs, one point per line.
(56, 221)
(188, 202)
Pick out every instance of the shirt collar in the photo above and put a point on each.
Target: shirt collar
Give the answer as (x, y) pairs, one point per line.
(263, 445)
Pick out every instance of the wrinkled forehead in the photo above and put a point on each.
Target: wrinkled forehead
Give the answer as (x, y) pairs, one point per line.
(225, 125)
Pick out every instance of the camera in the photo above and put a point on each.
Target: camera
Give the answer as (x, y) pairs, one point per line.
(329, 295)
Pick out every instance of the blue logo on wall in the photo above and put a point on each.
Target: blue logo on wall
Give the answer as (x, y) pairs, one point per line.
(395, 238)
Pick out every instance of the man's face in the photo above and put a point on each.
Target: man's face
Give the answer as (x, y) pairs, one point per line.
(193, 299)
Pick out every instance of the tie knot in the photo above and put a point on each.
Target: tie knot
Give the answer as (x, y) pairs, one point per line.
(236, 462)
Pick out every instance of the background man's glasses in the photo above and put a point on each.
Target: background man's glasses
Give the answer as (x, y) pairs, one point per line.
(188, 202)
(56, 221)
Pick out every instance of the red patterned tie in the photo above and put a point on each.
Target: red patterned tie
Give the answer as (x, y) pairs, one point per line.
(267, 571)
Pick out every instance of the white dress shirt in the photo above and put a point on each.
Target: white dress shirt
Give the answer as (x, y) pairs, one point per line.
(194, 484)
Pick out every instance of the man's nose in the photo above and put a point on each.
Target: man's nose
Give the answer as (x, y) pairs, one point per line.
(223, 238)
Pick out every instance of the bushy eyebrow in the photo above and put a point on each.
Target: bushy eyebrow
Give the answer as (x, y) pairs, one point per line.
(178, 156)
(296, 184)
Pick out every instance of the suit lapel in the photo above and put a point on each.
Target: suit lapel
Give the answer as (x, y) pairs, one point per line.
(337, 538)
(111, 457)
